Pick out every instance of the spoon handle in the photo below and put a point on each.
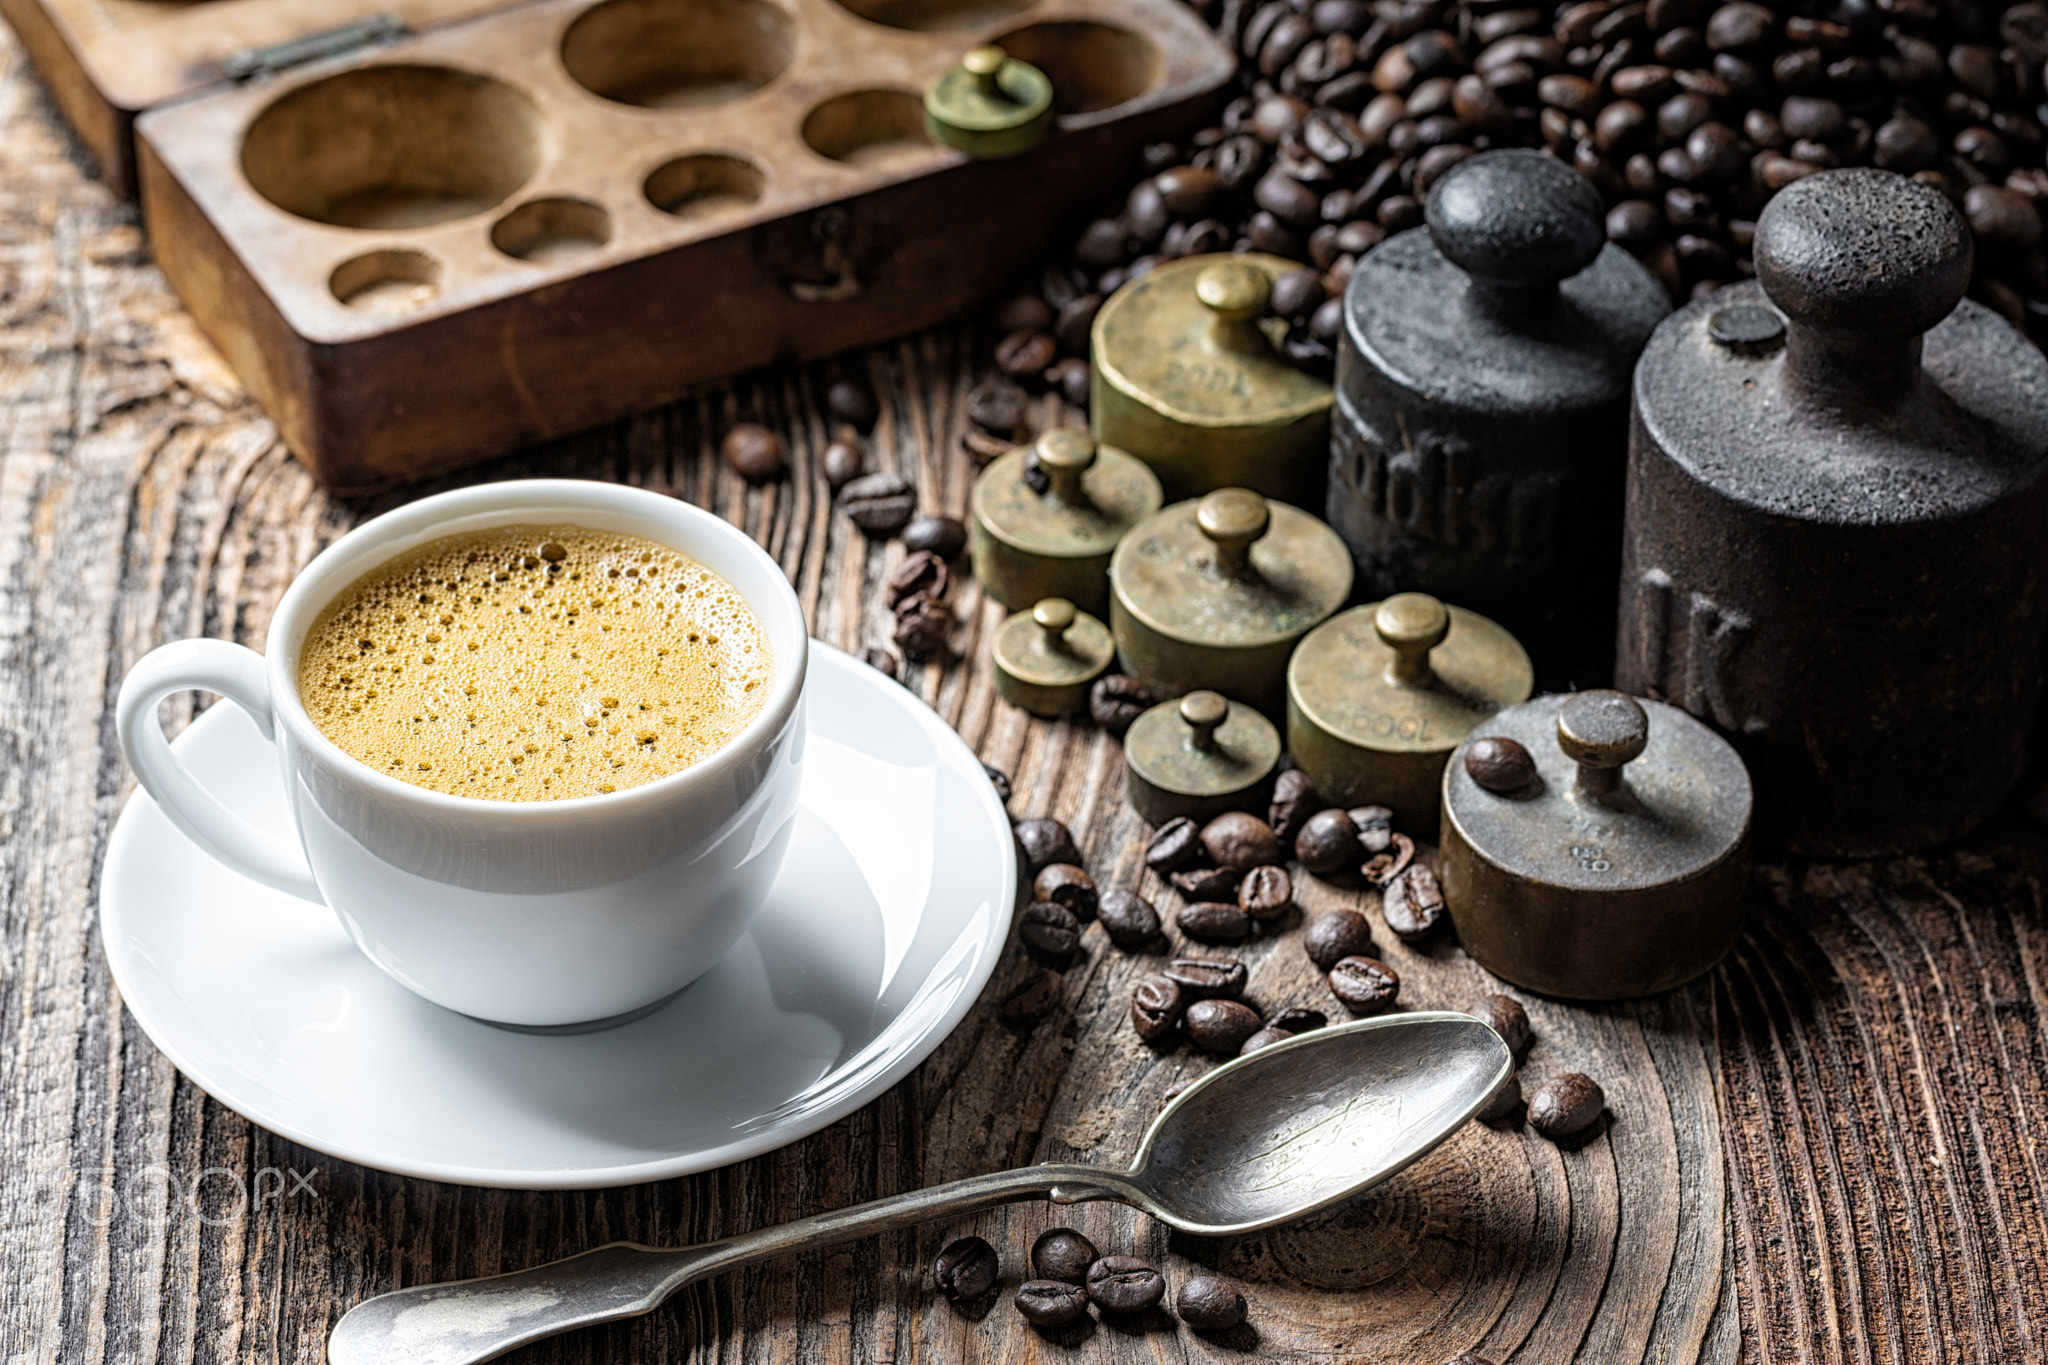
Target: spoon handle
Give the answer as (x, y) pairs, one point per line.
(473, 1320)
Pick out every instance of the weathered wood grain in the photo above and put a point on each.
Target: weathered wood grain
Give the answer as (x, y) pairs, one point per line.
(1829, 1150)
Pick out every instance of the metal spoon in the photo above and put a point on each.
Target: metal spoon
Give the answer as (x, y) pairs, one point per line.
(1262, 1140)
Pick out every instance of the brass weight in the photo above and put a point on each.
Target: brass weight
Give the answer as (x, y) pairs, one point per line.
(1188, 380)
(1198, 756)
(1378, 697)
(990, 105)
(1045, 658)
(1214, 592)
(1619, 869)
(1055, 541)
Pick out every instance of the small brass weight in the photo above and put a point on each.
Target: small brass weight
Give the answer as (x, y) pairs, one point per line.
(990, 105)
(1604, 853)
(1051, 535)
(1046, 657)
(1198, 757)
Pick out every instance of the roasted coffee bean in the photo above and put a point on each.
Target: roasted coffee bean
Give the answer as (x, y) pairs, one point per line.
(1114, 702)
(1504, 1015)
(1366, 985)
(1294, 801)
(924, 624)
(842, 462)
(1566, 1104)
(1206, 1303)
(1208, 978)
(1050, 929)
(1155, 1006)
(1124, 1284)
(997, 405)
(1190, 193)
(1266, 893)
(1296, 1019)
(1175, 845)
(754, 453)
(2003, 216)
(1375, 827)
(1265, 1037)
(1413, 904)
(1075, 320)
(881, 504)
(941, 536)
(1382, 868)
(1504, 1103)
(1069, 885)
(1038, 996)
(1046, 842)
(1213, 922)
(1239, 841)
(966, 1269)
(920, 573)
(1206, 883)
(1075, 380)
(1062, 1254)
(1499, 764)
(1130, 921)
(1220, 1026)
(1335, 935)
(1025, 354)
(1051, 1303)
(882, 661)
(1327, 843)
(1024, 313)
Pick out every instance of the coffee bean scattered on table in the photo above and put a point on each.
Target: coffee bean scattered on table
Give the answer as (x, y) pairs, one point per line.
(1265, 1037)
(1382, 868)
(881, 504)
(924, 625)
(998, 406)
(1375, 826)
(1366, 985)
(1031, 1001)
(1566, 1104)
(966, 1269)
(1125, 1284)
(1213, 922)
(922, 572)
(1328, 843)
(1130, 921)
(941, 536)
(1504, 1015)
(1155, 1006)
(1413, 904)
(1209, 1304)
(842, 462)
(1046, 842)
(1504, 1103)
(882, 661)
(853, 403)
(1050, 930)
(1238, 841)
(1266, 893)
(1295, 799)
(1175, 846)
(1219, 1026)
(1114, 702)
(1208, 978)
(1297, 1019)
(1499, 764)
(1051, 1303)
(1206, 883)
(1068, 885)
(1335, 935)
(1062, 1254)
(754, 452)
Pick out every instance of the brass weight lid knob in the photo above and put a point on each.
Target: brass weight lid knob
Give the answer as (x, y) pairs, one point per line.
(1065, 455)
(1045, 658)
(991, 105)
(1233, 519)
(1198, 756)
(1411, 624)
(1602, 731)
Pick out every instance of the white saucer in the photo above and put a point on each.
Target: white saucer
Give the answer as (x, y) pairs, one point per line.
(882, 930)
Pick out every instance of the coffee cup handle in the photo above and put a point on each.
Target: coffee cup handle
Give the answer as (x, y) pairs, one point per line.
(237, 674)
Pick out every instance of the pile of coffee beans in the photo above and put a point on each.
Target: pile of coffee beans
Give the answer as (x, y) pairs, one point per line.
(1069, 1277)
(1686, 115)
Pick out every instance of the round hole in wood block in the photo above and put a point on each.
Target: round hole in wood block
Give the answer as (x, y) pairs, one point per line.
(671, 54)
(708, 185)
(545, 230)
(880, 128)
(928, 15)
(394, 147)
(1091, 66)
(386, 283)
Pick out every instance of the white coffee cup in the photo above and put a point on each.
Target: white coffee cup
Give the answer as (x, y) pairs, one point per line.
(537, 913)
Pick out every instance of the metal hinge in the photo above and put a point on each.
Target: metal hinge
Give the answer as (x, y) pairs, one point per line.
(268, 61)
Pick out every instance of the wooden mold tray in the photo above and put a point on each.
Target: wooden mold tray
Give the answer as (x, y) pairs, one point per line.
(532, 220)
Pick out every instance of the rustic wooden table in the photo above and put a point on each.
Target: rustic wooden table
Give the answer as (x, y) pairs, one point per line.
(1832, 1149)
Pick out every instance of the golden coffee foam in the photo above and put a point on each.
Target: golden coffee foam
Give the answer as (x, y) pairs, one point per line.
(535, 663)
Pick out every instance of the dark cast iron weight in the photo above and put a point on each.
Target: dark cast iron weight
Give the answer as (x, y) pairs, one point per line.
(1479, 440)
(1616, 868)
(1836, 514)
